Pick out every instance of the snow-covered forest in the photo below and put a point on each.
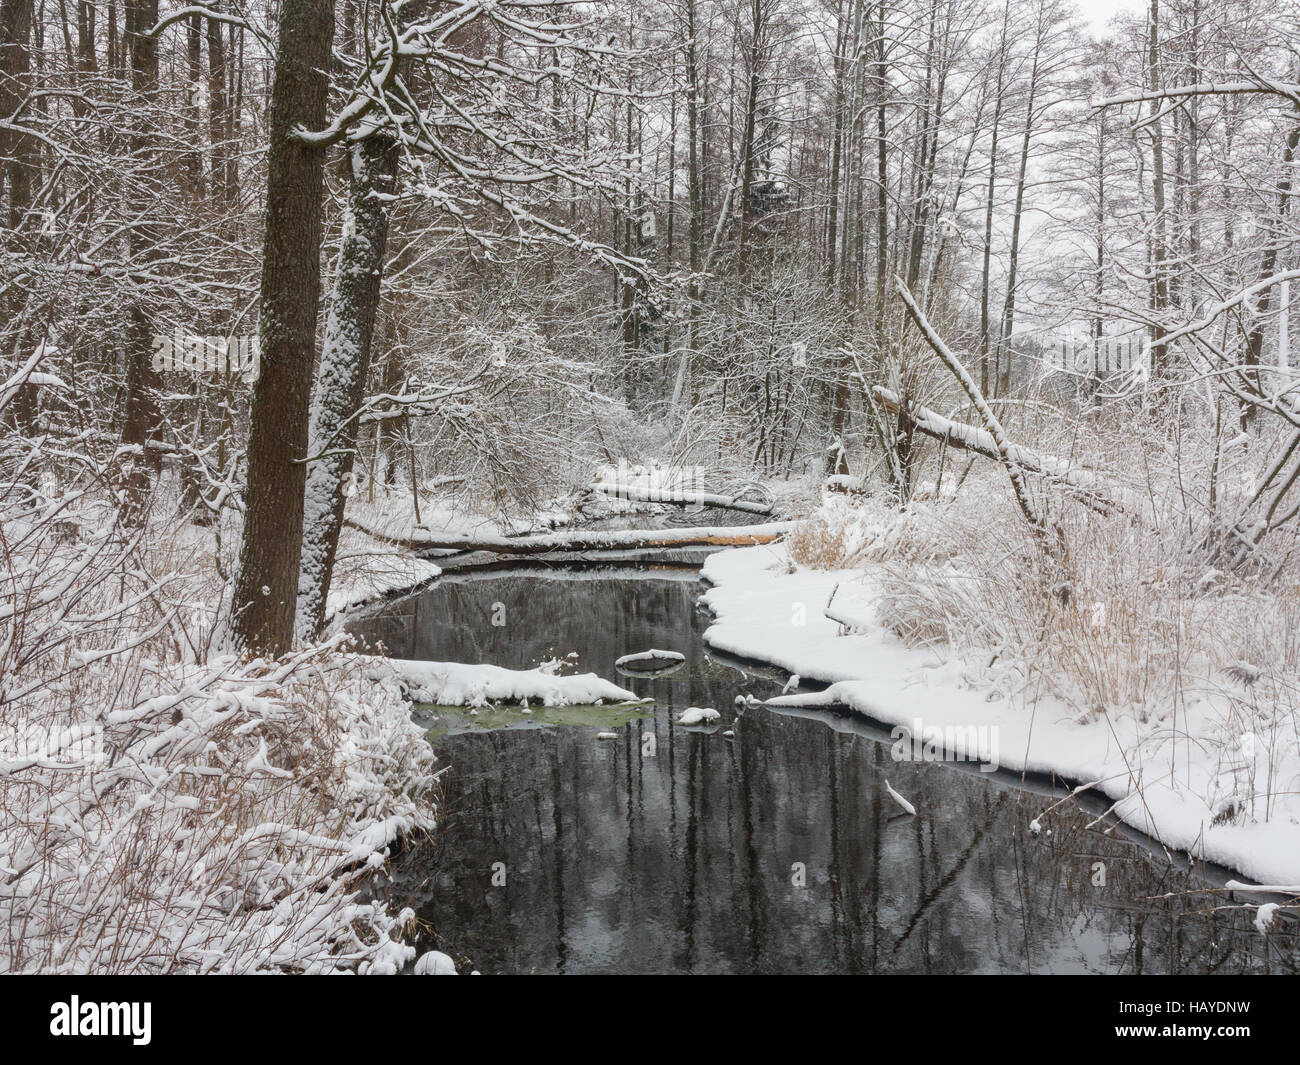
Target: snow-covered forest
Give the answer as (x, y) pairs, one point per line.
(956, 333)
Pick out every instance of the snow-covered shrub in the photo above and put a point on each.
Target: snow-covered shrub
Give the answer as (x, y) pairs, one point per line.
(1130, 615)
(163, 809)
(828, 538)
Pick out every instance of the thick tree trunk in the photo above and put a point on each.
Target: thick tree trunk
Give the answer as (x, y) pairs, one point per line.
(344, 366)
(18, 161)
(266, 588)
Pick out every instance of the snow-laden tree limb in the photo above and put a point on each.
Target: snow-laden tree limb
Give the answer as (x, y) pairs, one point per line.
(1001, 444)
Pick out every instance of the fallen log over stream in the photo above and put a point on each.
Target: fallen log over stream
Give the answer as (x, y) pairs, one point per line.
(583, 540)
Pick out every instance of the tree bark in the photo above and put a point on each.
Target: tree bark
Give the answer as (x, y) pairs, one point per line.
(344, 366)
(141, 417)
(266, 588)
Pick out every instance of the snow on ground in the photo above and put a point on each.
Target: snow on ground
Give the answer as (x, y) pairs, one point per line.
(458, 684)
(366, 569)
(224, 820)
(1164, 777)
(392, 517)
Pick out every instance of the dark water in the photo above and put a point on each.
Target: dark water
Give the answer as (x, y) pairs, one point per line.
(775, 849)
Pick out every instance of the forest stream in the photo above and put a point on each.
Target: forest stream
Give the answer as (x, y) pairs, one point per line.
(767, 843)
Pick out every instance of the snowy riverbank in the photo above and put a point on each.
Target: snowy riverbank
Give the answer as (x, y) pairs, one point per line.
(1171, 777)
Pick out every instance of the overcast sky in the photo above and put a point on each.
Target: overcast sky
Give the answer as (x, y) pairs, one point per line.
(1099, 12)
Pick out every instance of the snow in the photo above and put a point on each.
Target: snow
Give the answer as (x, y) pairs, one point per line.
(459, 684)
(366, 570)
(227, 823)
(392, 518)
(907, 806)
(652, 655)
(435, 963)
(1264, 917)
(1163, 782)
(977, 439)
(673, 483)
(697, 715)
(425, 535)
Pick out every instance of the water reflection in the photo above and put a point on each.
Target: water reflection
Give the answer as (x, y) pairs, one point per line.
(776, 849)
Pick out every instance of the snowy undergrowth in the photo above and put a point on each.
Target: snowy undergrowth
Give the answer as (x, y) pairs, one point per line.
(1128, 662)
(366, 569)
(167, 808)
(223, 823)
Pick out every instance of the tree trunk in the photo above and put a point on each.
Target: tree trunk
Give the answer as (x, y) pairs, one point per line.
(344, 366)
(266, 588)
(141, 418)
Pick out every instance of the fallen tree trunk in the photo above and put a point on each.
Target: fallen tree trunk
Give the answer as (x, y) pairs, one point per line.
(681, 498)
(1089, 487)
(586, 540)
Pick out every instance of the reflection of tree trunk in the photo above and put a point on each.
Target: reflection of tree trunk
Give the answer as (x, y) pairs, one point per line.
(266, 589)
(557, 822)
(691, 857)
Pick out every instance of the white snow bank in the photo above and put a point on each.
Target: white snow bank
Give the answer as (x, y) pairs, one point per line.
(459, 684)
(697, 715)
(366, 570)
(1165, 781)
